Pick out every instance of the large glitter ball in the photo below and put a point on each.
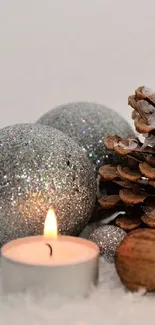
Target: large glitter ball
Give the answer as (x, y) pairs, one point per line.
(108, 239)
(42, 168)
(88, 124)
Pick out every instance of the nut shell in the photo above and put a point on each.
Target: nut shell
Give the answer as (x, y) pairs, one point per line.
(135, 260)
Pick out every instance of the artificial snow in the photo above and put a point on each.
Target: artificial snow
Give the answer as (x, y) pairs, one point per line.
(110, 303)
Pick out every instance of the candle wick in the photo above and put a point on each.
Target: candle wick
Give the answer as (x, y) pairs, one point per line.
(51, 250)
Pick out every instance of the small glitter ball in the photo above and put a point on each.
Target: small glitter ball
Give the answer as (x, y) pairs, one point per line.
(88, 124)
(42, 168)
(108, 239)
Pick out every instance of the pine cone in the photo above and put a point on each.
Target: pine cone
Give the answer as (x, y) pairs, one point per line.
(131, 186)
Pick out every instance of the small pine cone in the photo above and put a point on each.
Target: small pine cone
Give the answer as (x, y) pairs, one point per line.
(132, 184)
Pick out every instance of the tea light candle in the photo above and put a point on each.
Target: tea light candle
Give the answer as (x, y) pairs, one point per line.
(61, 264)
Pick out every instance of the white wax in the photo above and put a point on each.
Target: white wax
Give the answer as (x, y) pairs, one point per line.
(34, 251)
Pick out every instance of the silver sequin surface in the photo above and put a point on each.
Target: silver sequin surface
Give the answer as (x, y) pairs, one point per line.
(88, 124)
(108, 239)
(41, 168)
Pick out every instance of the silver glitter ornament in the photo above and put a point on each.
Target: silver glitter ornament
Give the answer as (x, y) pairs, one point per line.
(108, 239)
(42, 168)
(88, 124)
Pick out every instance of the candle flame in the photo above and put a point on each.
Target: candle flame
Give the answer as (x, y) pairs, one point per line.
(50, 227)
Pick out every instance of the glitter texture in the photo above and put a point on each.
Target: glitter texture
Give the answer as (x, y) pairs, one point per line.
(108, 239)
(88, 124)
(40, 168)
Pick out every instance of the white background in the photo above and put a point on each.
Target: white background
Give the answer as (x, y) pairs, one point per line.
(56, 51)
